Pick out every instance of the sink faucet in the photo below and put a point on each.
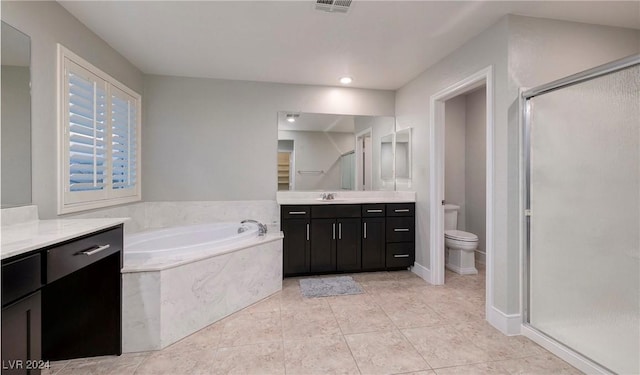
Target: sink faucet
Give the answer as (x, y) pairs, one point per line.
(262, 229)
(328, 196)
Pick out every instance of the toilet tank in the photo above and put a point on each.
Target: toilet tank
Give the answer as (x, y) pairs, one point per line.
(451, 216)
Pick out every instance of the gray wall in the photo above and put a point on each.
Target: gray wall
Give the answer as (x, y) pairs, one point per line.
(454, 158)
(16, 136)
(524, 52)
(208, 139)
(475, 165)
(48, 23)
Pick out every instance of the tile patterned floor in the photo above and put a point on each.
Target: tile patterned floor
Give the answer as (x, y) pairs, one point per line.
(400, 325)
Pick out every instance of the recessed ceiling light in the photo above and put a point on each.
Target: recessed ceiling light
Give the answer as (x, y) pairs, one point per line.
(346, 80)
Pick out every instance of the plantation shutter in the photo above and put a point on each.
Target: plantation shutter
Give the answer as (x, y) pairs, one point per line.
(124, 139)
(86, 130)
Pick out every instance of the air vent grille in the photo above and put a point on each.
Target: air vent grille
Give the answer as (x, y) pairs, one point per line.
(339, 6)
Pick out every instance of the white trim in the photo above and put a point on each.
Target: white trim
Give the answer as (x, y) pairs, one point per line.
(81, 201)
(358, 151)
(574, 359)
(509, 324)
(436, 170)
(422, 271)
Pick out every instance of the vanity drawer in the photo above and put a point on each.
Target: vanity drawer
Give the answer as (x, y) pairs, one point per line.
(295, 212)
(400, 229)
(72, 256)
(335, 211)
(373, 210)
(401, 209)
(21, 277)
(400, 255)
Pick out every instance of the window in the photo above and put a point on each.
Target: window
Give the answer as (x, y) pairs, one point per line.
(99, 124)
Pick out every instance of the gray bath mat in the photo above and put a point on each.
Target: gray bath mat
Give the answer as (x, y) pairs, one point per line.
(329, 286)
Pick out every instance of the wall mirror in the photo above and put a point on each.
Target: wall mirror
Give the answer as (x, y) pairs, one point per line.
(335, 152)
(16, 118)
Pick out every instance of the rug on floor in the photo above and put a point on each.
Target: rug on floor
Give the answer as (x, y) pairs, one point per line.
(329, 286)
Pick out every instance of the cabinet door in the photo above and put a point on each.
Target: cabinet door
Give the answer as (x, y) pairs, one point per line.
(348, 250)
(295, 252)
(373, 243)
(21, 335)
(323, 245)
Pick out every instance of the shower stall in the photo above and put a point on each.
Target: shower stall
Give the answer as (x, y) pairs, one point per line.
(582, 211)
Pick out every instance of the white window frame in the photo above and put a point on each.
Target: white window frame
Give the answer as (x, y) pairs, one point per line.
(75, 201)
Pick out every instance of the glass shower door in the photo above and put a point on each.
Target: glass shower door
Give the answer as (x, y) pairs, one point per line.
(584, 228)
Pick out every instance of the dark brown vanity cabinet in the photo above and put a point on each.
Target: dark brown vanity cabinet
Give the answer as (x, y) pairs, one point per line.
(296, 226)
(335, 238)
(63, 301)
(347, 237)
(21, 315)
(400, 233)
(373, 237)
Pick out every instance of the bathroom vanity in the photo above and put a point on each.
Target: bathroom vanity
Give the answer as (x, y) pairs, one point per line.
(340, 236)
(61, 291)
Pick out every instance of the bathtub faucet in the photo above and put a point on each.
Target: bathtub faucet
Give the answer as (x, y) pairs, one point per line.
(262, 229)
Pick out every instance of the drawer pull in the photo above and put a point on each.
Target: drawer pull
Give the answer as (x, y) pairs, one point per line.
(339, 231)
(297, 212)
(401, 230)
(307, 231)
(365, 230)
(402, 210)
(374, 211)
(95, 249)
(334, 231)
(401, 255)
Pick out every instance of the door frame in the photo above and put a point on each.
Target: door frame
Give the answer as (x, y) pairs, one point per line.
(436, 168)
(359, 136)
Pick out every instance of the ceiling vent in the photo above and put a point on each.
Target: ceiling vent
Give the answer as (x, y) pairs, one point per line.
(334, 6)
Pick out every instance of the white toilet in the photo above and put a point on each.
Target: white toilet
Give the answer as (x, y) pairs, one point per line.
(460, 245)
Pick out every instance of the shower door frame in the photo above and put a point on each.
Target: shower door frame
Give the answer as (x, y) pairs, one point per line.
(571, 356)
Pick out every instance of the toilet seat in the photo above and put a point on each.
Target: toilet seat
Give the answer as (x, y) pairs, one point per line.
(460, 235)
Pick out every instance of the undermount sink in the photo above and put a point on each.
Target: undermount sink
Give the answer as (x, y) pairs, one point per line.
(330, 200)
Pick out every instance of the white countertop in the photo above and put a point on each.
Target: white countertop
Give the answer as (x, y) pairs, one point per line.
(344, 197)
(24, 237)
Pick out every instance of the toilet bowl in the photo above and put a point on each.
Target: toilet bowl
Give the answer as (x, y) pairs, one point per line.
(460, 245)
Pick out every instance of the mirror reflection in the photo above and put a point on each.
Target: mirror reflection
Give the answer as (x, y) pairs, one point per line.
(334, 152)
(16, 118)
(403, 154)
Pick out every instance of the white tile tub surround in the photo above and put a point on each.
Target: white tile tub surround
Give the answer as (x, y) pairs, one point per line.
(19, 215)
(155, 215)
(161, 307)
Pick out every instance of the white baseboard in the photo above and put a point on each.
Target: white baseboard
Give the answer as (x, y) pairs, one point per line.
(574, 359)
(462, 271)
(509, 324)
(422, 271)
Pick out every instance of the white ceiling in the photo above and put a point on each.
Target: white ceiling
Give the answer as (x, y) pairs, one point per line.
(381, 44)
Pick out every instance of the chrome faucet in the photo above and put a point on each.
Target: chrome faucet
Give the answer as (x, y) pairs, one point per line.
(262, 229)
(328, 196)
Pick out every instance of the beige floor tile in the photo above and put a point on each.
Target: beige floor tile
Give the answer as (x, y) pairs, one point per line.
(207, 338)
(174, 362)
(538, 365)
(384, 353)
(54, 367)
(361, 317)
(310, 322)
(319, 355)
(487, 368)
(423, 372)
(497, 345)
(411, 314)
(107, 365)
(271, 303)
(443, 346)
(266, 358)
(251, 328)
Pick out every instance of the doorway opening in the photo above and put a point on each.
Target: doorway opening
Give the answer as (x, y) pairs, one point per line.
(364, 160)
(469, 85)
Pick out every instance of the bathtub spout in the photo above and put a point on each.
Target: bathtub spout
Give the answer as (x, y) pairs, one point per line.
(262, 229)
